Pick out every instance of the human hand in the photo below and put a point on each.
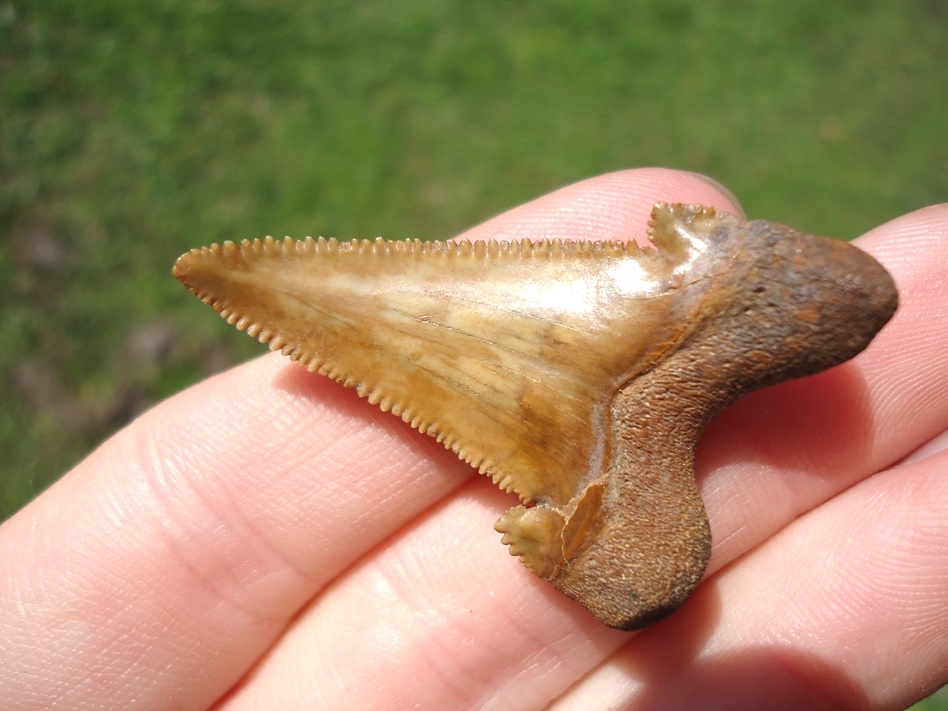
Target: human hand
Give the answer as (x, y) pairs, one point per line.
(266, 539)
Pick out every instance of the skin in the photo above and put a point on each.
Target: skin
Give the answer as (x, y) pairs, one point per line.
(265, 539)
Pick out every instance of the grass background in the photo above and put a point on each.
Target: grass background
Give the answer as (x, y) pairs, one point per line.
(130, 132)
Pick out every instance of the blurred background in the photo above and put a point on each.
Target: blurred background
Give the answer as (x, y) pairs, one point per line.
(130, 132)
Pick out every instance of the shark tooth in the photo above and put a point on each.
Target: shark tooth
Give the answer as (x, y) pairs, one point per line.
(577, 374)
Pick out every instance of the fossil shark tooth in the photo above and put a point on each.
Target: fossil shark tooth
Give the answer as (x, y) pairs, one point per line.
(577, 374)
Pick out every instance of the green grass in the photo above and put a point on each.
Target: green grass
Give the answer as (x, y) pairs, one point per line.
(131, 132)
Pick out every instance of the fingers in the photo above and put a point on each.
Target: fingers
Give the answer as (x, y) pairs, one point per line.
(614, 206)
(910, 357)
(863, 619)
(175, 554)
(845, 608)
(457, 624)
(184, 545)
(434, 618)
(784, 450)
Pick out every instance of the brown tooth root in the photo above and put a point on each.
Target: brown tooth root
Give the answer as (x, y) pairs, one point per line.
(577, 374)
